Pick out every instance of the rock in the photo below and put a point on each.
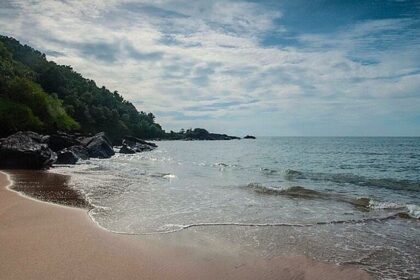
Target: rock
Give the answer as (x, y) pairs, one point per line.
(216, 136)
(80, 151)
(127, 150)
(202, 134)
(138, 145)
(72, 155)
(98, 146)
(137, 140)
(60, 141)
(66, 157)
(26, 150)
(404, 215)
(363, 202)
(249, 137)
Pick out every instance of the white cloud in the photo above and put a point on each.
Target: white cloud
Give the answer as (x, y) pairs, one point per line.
(168, 56)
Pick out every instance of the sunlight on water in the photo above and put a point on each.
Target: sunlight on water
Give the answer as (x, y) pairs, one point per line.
(333, 198)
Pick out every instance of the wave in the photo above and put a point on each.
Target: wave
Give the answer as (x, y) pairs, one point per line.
(363, 203)
(173, 228)
(413, 210)
(405, 210)
(169, 176)
(222, 165)
(296, 191)
(268, 171)
(369, 203)
(348, 178)
(163, 175)
(291, 174)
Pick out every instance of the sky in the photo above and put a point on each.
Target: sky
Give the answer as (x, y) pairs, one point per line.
(267, 68)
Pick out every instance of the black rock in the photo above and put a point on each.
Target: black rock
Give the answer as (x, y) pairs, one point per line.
(127, 150)
(138, 145)
(202, 134)
(132, 139)
(249, 137)
(80, 151)
(98, 146)
(59, 141)
(72, 155)
(25, 150)
(216, 136)
(66, 157)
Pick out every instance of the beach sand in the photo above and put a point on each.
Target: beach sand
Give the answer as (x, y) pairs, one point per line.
(41, 240)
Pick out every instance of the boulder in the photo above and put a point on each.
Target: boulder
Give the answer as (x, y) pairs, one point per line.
(25, 150)
(79, 151)
(72, 155)
(66, 157)
(127, 150)
(138, 145)
(98, 146)
(132, 139)
(61, 140)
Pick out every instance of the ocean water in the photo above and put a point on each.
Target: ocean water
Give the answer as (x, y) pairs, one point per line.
(342, 200)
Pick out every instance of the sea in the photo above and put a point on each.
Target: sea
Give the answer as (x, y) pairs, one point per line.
(345, 200)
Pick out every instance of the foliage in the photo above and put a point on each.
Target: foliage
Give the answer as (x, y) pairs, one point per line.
(62, 99)
(197, 134)
(15, 116)
(46, 107)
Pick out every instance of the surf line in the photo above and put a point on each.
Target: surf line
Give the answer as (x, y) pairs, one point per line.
(184, 227)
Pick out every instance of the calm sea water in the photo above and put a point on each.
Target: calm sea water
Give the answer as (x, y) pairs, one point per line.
(334, 199)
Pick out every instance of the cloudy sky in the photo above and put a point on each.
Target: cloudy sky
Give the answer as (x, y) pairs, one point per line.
(285, 67)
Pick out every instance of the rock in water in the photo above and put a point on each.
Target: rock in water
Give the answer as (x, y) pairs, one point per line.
(137, 145)
(79, 151)
(127, 150)
(98, 146)
(249, 137)
(61, 140)
(72, 155)
(66, 157)
(25, 150)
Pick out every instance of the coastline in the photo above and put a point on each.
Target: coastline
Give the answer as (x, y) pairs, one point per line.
(42, 240)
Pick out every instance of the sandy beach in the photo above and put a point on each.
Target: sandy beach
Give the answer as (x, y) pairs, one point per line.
(40, 240)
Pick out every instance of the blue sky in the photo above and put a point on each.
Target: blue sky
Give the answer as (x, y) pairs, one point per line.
(298, 67)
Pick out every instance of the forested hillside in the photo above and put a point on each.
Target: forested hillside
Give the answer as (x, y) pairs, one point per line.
(40, 95)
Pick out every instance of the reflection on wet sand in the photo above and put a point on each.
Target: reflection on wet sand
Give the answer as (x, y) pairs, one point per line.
(47, 186)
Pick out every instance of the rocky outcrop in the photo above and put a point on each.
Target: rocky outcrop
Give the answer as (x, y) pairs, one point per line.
(26, 150)
(98, 146)
(249, 137)
(61, 140)
(30, 150)
(135, 144)
(216, 136)
(127, 150)
(72, 155)
(66, 157)
(202, 134)
(79, 151)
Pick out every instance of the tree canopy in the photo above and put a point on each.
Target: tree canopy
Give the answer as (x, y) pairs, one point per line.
(40, 95)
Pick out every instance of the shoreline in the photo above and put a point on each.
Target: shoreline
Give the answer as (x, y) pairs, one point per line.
(43, 240)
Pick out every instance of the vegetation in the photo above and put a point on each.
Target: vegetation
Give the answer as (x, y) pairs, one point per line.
(40, 95)
(197, 134)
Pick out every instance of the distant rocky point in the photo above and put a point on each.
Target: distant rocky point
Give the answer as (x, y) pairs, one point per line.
(131, 145)
(250, 137)
(198, 134)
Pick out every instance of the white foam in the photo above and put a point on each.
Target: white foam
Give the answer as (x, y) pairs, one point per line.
(385, 205)
(413, 210)
(170, 176)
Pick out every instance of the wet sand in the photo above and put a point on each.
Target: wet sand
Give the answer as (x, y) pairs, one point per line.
(41, 240)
